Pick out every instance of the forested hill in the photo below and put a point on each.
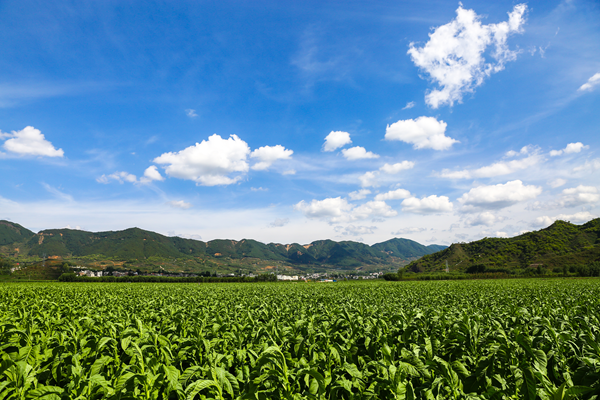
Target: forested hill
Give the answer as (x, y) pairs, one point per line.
(138, 244)
(560, 244)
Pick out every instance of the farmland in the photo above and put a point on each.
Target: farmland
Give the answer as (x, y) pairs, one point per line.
(512, 339)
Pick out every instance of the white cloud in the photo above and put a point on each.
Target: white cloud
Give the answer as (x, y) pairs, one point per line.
(404, 231)
(151, 174)
(209, 163)
(352, 230)
(334, 209)
(335, 140)
(524, 150)
(558, 182)
(499, 196)
(394, 195)
(454, 55)
(289, 172)
(119, 176)
(427, 205)
(191, 113)
(279, 222)
(30, 142)
(393, 169)
(375, 208)
(496, 169)
(593, 166)
(259, 189)
(580, 217)
(501, 234)
(359, 194)
(591, 83)
(579, 195)
(422, 133)
(570, 149)
(358, 153)
(485, 218)
(369, 179)
(267, 155)
(179, 204)
(409, 105)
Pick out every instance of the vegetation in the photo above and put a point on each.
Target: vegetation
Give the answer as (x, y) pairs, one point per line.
(518, 339)
(562, 244)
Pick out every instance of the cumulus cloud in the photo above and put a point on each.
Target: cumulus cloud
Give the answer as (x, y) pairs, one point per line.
(337, 209)
(359, 194)
(267, 155)
(427, 205)
(580, 195)
(404, 231)
(422, 133)
(335, 140)
(209, 163)
(151, 174)
(454, 55)
(369, 179)
(499, 196)
(397, 194)
(358, 153)
(524, 150)
(485, 218)
(30, 142)
(179, 204)
(352, 230)
(591, 83)
(119, 176)
(393, 169)
(496, 169)
(570, 149)
(592, 165)
(579, 217)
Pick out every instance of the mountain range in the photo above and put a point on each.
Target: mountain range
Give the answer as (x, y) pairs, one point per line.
(135, 244)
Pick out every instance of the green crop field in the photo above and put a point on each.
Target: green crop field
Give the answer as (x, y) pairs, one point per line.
(512, 339)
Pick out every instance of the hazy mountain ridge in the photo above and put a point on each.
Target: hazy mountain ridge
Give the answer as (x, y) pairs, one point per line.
(560, 244)
(138, 244)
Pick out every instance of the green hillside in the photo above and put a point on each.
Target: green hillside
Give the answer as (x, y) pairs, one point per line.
(560, 244)
(406, 248)
(13, 233)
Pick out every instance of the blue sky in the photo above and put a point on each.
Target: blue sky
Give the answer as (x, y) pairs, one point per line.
(298, 121)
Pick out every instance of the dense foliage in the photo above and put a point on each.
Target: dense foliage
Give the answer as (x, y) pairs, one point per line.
(515, 339)
(560, 244)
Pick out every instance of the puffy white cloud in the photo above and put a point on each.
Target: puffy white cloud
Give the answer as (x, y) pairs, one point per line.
(499, 196)
(524, 150)
(591, 83)
(151, 174)
(267, 155)
(209, 163)
(454, 55)
(558, 182)
(358, 153)
(119, 176)
(570, 149)
(427, 205)
(579, 195)
(394, 195)
(580, 217)
(369, 179)
(335, 140)
(485, 218)
(501, 234)
(375, 208)
(30, 142)
(334, 209)
(422, 133)
(179, 204)
(352, 230)
(496, 169)
(337, 209)
(359, 194)
(393, 169)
